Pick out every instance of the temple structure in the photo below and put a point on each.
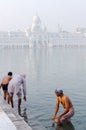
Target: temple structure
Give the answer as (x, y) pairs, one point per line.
(37, 35)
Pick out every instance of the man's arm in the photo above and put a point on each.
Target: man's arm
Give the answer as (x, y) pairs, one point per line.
(66, 102)
(56, 109)
(0, 84)
(24, 89)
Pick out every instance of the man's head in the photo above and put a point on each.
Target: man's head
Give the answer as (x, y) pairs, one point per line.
(23, 75)
(10, 73)
(58, 92)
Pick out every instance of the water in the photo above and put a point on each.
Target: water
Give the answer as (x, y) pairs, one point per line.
(47, 69)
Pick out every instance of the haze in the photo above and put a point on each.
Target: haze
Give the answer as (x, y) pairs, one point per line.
(18, 14)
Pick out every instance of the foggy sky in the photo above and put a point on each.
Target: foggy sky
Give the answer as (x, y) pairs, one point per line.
(18, 14)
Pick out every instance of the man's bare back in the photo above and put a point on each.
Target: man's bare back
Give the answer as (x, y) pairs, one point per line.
(6, 79)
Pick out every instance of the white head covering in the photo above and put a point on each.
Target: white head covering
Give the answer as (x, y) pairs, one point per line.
(59, 91)
(23, 75)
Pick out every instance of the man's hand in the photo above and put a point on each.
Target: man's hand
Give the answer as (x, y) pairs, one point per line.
(56, 117)
(24, 98)
(53, 118)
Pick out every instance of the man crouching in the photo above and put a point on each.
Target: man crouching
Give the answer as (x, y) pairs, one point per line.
(67, 105)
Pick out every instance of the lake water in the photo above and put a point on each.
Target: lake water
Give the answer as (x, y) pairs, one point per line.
(46, 70)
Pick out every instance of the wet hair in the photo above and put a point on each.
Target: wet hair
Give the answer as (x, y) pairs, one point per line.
(10, 73)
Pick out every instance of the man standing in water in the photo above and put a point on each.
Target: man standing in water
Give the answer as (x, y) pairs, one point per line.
(67, 105)
(15, 87)
(4, 85)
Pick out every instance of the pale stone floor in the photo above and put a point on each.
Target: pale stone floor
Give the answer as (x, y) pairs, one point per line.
(5, 122)
(9, 119)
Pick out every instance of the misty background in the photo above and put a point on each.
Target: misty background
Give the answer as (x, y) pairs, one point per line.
(18, 14)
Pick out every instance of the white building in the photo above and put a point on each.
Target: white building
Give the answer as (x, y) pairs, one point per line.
(38, 36)
(37, 33)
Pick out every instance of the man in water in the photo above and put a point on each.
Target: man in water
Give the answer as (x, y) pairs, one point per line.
(15, 87)
(67, 105)
(4, 85)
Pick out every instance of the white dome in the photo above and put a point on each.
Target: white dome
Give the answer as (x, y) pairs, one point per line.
(36, 19)
(36, 24)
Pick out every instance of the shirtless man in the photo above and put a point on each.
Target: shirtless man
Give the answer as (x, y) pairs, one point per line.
(4, 84)
(67, 105)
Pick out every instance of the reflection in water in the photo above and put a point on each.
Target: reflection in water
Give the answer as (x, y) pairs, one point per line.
(23, 114)
(65, 126)
(31, 121)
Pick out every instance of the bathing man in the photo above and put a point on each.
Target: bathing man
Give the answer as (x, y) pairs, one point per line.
(67, 105)
(16, 86)
(4, 85)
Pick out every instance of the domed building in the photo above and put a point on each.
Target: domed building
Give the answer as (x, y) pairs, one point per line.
(38, 35)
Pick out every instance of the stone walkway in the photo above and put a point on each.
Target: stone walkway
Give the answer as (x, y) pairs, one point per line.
(9, 119)
(5, 122)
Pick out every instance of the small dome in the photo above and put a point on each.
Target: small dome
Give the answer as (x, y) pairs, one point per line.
(44, 28)
(28, 29)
